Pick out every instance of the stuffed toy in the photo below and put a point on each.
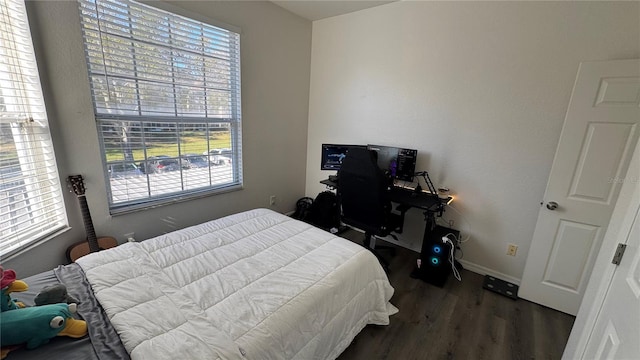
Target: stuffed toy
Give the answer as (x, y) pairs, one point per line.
(9, 284)
(54, 294)
(36, 325)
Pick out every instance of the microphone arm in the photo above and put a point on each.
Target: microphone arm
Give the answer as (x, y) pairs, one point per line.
(432, 189)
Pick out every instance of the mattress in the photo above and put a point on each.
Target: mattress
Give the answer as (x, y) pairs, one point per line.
(254, 285)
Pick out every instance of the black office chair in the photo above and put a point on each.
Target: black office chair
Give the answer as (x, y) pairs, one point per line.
(363, 191)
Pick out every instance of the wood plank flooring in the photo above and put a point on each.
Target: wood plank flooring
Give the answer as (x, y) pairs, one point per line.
(459, 321)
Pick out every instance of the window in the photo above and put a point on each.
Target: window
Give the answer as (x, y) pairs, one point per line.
(166, 94)
(31, 206)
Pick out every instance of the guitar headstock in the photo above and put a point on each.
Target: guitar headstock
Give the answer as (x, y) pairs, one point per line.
(76, 184)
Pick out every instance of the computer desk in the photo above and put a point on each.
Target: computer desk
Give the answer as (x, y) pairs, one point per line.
(406, 198)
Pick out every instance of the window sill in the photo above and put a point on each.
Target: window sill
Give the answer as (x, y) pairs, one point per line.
(21, 250)
(131, 208)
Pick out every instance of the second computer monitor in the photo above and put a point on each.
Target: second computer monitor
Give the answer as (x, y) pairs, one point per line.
(398, 162)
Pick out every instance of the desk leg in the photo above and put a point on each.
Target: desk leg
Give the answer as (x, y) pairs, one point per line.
(429, 225)
(427, 236)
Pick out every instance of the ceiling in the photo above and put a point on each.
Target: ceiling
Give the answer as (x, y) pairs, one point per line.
(320, 9)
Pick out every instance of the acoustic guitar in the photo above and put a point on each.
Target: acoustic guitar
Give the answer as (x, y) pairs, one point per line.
(93, 243)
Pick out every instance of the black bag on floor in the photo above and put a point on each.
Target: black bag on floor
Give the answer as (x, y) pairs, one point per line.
(325, 212)
(303, 206)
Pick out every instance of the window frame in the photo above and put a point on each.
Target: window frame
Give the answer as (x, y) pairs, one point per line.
(31, 201)
(233, 118)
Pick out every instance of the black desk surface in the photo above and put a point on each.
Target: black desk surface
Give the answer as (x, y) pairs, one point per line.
(329, 183)
(421, 200)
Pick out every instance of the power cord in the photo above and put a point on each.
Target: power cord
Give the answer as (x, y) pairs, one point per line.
(446, 240)
(457, 241)
(463, 239)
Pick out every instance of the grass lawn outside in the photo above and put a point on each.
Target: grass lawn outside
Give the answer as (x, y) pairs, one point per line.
(191, 144)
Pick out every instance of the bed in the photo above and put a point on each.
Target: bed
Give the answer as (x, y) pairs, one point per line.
(254, 285)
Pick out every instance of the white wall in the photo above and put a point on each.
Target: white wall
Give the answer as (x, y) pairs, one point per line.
(479, 88)
(275, 50)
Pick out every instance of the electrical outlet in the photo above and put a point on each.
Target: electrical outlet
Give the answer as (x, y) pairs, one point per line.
(130, 237)
(512, 249)
(272, 200)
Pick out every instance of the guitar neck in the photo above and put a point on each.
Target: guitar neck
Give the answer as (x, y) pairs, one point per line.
(88, 224)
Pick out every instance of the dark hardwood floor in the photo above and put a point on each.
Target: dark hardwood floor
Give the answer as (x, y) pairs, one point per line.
(459, 321)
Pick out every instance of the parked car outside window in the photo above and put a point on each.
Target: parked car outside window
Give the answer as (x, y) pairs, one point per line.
(196, 161)
(163, 163)
(219, 156)
(123, 170)
(148, 166)
(168, 165)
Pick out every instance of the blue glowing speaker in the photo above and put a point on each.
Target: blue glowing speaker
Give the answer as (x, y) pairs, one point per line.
(435, 266)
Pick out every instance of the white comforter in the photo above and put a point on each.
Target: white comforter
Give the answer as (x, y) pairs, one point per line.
(255, 285)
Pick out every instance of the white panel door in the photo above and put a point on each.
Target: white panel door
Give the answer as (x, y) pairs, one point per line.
(617, 328)
(596, 144)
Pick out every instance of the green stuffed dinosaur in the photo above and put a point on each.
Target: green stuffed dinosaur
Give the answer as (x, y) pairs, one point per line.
(35, 326)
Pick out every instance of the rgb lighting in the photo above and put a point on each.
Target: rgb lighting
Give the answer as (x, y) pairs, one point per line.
(437, 249)
(435, 261)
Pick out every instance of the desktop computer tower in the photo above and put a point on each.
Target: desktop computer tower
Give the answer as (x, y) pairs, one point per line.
(434, 257)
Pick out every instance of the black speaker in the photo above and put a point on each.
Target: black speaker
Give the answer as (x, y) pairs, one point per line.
(434, 257)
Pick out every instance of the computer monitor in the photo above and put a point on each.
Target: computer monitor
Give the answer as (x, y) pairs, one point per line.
(333, 154)
(398, 162)
(406, 164)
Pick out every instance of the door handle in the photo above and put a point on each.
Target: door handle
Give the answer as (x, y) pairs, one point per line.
(552, 205)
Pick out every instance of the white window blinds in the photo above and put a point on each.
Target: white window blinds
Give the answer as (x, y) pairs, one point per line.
(31, 205)
(166, 93)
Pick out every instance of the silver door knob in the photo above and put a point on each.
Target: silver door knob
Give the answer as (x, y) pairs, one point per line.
(552, 205)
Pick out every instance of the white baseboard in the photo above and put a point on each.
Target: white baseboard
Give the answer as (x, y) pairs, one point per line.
(479, 269)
